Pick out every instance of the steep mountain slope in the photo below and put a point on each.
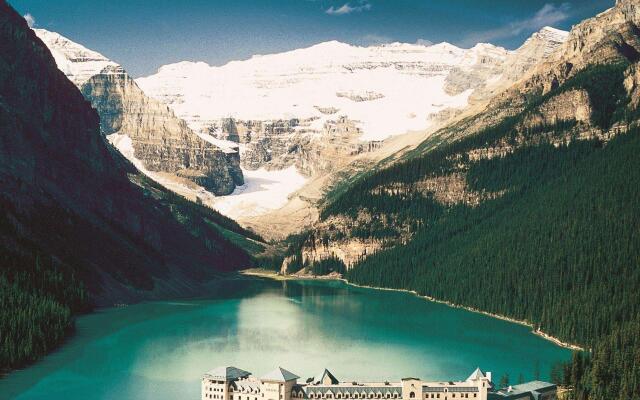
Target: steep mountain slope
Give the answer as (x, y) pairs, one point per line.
(332, 110)
(78, 225)
(528, 209)
(160, 141)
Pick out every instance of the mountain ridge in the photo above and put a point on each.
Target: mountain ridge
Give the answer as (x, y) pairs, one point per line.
(162, 143)
(79, 225)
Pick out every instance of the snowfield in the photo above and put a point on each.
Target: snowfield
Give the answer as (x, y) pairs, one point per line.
(263, 191)
(389, 89)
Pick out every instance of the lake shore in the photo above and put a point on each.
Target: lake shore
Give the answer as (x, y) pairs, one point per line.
(258, 272)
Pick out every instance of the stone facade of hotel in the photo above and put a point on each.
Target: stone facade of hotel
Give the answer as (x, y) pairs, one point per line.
(230, 383)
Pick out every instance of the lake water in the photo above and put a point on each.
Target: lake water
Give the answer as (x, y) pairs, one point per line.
(159, 350)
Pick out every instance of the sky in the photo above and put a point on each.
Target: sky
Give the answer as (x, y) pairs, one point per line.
(143, 35)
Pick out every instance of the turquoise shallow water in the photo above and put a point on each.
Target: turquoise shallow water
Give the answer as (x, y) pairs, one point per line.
(159, 350)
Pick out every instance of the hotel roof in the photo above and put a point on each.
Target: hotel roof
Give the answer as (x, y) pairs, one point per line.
(477, 374)
(280, 375)
(227, 373)
(534, 388)
(326, 373)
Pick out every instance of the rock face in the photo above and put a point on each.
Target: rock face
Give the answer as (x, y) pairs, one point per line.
(608, 38)
(537, 48)
(67, 197)
(161, 141)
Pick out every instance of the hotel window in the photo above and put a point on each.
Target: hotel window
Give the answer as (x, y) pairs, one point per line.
(412, 395)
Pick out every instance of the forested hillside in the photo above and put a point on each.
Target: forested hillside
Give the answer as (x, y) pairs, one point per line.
(535, 221)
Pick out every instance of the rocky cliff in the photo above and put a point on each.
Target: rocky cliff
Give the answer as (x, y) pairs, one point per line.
(161, 141)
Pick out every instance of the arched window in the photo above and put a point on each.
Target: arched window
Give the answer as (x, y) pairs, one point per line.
(412, 395)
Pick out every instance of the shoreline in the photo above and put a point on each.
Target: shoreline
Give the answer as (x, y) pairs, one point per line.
(276, 276)
(537, 332)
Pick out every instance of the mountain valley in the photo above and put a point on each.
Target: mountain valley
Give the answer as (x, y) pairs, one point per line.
(504, 182)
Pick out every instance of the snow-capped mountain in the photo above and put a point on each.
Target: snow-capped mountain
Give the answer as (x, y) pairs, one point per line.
(326, 107)
(76, 61)
(387, 90)
(309, 111)
(145, 130)
(538, 47)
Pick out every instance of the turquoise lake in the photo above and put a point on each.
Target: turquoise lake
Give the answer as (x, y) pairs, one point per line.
(159, 350)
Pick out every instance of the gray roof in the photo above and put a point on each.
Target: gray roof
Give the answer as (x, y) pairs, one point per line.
(227, 373)
(246, 386)
(350, 390)
(457, 389)
(326, 373)
(280, 375)
(476, 375)
(533, 388)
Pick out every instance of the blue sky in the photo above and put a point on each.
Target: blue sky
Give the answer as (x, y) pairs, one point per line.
(142, 35)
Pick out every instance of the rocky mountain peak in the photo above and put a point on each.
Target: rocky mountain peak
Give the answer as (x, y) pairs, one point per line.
(608, 36)
(160, 141)
(76, 61)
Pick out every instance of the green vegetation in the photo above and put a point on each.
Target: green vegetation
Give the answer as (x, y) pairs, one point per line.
(327, 266)
(559, 248)
(183, 206)
(43, 287)
(38, 297)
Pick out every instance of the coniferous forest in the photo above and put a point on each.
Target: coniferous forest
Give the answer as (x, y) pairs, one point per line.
(560, 248)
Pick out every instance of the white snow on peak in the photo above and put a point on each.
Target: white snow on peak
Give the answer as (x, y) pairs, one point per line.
(547, 39)
(76, 61)
(557, 34)
(410, 79)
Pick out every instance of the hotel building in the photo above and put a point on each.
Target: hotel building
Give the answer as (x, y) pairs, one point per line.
(230, 383)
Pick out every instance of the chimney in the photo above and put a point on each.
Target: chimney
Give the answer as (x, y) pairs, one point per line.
(489, 376)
